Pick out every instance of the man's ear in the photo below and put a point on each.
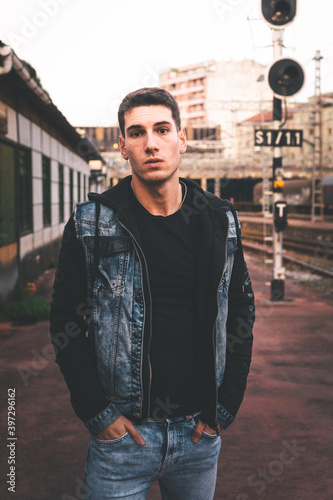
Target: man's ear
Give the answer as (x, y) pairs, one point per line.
(182, 141)
(123, 147)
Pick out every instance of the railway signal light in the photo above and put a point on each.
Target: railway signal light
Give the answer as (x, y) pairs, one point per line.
(280, 216)
(278, 185)
(278, 13)
(278, 181)
(285, 77)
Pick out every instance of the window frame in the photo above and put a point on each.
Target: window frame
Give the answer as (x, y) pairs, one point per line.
(71, 190)
(46, 189)
(61, 192)
(25, 200)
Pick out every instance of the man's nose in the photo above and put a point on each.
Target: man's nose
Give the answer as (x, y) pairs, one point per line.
(151, 143)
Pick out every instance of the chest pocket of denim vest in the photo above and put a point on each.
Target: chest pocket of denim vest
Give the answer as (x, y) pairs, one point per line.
(112, 263)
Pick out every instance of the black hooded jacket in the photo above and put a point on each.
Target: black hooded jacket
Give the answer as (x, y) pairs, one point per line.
(70, 309)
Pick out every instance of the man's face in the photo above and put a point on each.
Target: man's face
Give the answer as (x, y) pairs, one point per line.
(152, 143)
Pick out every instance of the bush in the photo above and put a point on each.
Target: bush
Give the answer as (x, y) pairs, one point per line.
(26, 308)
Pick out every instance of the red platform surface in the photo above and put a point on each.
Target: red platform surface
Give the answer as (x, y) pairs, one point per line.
(279, 447)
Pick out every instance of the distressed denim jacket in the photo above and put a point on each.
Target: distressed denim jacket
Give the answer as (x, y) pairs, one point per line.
(119, 327)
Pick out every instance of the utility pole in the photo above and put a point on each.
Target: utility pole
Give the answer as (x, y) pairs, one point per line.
(317, 194)
(279, 272)
(285, 77)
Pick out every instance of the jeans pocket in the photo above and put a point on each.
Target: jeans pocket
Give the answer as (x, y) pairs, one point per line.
(195, 421)
(110, 442)
(210, 436)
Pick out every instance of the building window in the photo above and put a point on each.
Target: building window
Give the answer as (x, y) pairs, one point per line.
(71, 189)
(46, 165)
(79, 186)
(61, 192)
(84, 187)
(25, 189)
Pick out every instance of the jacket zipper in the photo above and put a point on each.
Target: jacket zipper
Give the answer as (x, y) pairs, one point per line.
(217, 292)
(150, 316)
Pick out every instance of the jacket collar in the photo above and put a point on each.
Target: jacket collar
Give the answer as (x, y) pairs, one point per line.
(210, 209)
(118, 196)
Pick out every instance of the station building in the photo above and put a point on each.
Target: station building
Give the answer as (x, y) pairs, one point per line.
(44, 169)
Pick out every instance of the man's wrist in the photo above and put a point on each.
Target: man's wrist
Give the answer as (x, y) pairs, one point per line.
(217, 429)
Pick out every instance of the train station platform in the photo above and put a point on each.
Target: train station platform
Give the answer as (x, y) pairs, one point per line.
(280, 446)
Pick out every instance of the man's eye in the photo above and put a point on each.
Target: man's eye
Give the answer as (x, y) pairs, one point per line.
(136, 134)
(163, 130)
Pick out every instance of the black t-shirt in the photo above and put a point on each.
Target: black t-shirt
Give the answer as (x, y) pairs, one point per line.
(168, 244)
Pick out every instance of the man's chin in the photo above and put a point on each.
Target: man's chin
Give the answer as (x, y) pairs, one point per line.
(157, 178)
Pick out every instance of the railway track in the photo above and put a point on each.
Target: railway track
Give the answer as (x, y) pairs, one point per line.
(288, 258)
(318, 248)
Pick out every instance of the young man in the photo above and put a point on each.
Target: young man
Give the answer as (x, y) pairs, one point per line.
(153, 269)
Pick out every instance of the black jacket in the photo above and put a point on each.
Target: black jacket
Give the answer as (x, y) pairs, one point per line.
(74, 354)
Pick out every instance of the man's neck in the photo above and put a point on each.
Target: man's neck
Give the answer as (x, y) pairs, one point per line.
(159, 199)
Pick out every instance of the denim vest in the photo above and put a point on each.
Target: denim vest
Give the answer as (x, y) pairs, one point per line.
(116, 327)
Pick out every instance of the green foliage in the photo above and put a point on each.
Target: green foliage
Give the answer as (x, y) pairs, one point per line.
(26, 308)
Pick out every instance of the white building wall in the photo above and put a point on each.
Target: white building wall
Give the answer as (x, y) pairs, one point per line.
(26, 244)
(36, 137)
(46, 144)
(55, 147)
(22, 131)
(11, 125)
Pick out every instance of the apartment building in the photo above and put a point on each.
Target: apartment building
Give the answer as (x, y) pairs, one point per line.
(220, 94)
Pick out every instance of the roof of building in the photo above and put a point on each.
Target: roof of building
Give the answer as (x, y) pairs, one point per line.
(264, 116)
(190, 67)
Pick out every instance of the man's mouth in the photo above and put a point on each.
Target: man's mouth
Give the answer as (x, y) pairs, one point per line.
(151, 161)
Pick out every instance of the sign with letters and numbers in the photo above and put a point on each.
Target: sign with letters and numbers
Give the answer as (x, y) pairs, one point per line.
(278, 138)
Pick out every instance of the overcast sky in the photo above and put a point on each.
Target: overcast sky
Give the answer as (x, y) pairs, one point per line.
(90, 54)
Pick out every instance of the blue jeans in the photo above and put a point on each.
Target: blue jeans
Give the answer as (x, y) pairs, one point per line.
(120, 468)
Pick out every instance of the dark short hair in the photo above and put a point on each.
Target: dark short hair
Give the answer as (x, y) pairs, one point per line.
(148, 96)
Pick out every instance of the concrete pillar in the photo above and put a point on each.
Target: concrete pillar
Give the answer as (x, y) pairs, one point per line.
(204, 183)
(217, 187)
